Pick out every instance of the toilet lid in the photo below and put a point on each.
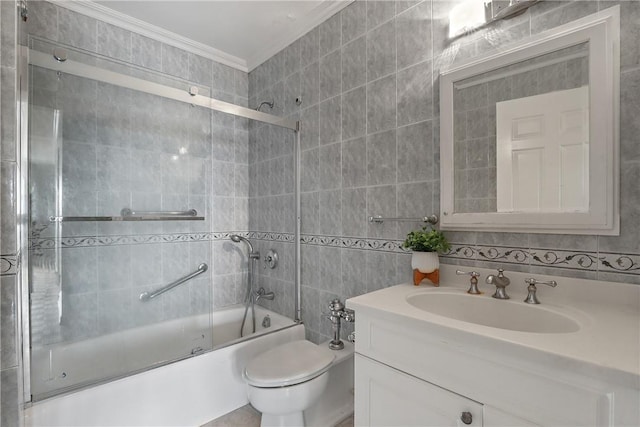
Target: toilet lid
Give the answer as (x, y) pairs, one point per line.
(288, 364)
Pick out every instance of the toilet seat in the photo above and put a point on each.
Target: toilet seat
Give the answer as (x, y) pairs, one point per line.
(289, 364)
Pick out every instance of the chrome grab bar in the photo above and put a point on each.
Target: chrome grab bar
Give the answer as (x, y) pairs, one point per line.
(146, 296)
(127, 214)
(431, 219)
(130, 212)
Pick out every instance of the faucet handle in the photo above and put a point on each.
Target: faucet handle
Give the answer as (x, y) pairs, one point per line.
(531, 296)
(468, 273)
(532, 281)
(348, 315)
(336, 306)
(473, 288)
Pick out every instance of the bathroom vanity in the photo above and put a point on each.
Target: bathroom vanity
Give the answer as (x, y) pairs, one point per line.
(438, 356)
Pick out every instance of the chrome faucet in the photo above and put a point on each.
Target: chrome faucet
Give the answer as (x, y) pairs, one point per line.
(531, 297)
(473, 287)
(500, 282)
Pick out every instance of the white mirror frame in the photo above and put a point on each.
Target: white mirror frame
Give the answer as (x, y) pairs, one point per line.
(602, 31)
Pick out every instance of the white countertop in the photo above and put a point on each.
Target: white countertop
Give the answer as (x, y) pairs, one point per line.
(608, 314)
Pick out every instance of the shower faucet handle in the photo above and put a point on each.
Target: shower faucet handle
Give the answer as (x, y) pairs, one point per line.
(271, 259)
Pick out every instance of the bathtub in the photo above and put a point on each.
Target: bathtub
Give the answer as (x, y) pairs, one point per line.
(187, 392)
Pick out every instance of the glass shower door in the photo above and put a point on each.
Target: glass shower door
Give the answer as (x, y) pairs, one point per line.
(113, 176)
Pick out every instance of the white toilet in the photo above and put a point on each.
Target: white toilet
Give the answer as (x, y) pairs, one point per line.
(286, 380)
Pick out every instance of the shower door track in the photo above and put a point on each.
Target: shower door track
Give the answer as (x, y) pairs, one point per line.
(188, 95)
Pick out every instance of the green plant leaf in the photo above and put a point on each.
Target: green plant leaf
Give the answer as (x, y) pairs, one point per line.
(426, 240)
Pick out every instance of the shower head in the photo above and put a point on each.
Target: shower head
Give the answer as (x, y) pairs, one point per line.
(267, 103)
(238, 239)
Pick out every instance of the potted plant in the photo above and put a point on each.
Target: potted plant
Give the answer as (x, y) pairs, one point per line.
(425, 244)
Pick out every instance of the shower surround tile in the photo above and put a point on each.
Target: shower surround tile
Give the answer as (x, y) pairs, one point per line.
(330, 75)
(10, 397)
(381, 158)
(114, 42)
(330, 166)
(7, 112)
(330, 34)
(378, 12)
(414, 35)
(354, 64)
(354, 113)
(415, 152)
(310, 47)
(8, 202)
(381, 104)
(381, 50)
(146, 52)
(311, 119)
(415, 94)
(310, 84)
(77, 30)
(9, 319)
(330, 123)
(354, 20)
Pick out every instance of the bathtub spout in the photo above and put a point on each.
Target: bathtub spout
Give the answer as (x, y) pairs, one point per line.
(262, 294)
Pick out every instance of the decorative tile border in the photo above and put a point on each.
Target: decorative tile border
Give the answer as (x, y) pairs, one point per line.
(355, 243)
(537, 257)
(619, 263)
(144, 239)
(564, 259)
(269, 235)
(8, 264)
(116, 240)
(534, 257)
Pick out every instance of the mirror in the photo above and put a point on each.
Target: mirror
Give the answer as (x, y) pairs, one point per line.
(529, 135)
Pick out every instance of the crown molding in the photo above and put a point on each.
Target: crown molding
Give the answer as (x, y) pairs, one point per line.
(110, 16)
(303, 25)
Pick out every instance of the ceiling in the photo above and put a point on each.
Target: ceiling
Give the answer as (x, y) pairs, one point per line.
(242, 34)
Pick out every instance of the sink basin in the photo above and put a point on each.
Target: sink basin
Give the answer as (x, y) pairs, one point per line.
(487, 311)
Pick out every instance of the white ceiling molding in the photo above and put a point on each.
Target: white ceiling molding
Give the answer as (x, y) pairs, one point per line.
(269, 47)
(302, 26)
(110, 16)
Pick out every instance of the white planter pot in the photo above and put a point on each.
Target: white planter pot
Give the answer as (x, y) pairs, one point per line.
(425, 265)
(425, 262)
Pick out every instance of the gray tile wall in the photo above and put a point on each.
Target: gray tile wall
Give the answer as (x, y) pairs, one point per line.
(10, 360)
(368, 78)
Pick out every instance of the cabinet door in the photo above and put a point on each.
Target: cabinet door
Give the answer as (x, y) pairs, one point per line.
(496, 418)
(388, 397)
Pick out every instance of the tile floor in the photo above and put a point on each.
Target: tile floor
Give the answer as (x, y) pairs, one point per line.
(249, 417)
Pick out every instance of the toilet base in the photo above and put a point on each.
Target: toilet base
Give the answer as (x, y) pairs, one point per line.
(295, 419)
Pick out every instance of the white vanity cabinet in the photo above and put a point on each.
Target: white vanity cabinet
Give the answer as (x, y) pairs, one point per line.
(413, 368)
(388, 397)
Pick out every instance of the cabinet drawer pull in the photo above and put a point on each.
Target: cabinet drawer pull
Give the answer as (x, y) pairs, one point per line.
(466, 418)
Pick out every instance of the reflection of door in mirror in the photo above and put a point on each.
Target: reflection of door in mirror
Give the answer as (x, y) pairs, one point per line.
(543, 152)
(525, 90)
